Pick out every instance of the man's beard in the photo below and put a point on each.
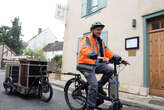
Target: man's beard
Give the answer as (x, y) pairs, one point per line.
(96, 36)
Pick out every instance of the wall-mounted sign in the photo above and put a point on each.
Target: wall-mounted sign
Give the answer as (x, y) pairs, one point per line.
(132, 43)
(132, 52)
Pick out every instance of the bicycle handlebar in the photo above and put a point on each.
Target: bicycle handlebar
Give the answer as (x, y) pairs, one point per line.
(118, 62)
(125, 62)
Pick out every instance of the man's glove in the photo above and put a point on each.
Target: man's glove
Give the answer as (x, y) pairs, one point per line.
(116, 58)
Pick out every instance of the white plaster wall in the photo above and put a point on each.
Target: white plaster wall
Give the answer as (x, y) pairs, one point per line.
(117, 16)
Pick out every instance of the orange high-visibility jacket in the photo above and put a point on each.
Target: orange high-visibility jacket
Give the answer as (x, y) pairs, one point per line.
(88, 45)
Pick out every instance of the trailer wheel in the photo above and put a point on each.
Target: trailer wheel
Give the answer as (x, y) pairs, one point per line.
(7, 85)
(45, 91)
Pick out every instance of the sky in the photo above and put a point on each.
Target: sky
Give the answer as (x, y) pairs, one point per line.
(33, 14)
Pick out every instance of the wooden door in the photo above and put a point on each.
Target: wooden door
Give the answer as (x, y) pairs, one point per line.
(156, 55)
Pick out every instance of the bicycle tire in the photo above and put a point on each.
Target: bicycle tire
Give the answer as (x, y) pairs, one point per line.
(41, 92)
(66, 90)
(8, 89)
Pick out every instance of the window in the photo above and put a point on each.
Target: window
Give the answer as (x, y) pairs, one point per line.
(91, 6)
(162, 23)
(104, 37)
(155, 25)
(94, 5)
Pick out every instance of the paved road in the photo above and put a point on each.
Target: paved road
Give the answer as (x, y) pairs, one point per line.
(18, 102)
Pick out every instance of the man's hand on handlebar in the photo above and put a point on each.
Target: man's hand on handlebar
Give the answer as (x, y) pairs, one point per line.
(104, 59)
(107, 60)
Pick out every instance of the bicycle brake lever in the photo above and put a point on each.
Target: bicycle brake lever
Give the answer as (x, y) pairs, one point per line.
(125, 62)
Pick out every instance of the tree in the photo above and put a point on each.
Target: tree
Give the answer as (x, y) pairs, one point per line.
(4, 30)
(1, 37)
(11, 36)
(15, 33)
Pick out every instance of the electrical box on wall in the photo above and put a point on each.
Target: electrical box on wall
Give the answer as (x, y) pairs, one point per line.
(134, 22)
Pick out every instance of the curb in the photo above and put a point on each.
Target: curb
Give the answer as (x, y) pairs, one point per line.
(2, 70)
(128, 102)
(57, 85)
(141, 105)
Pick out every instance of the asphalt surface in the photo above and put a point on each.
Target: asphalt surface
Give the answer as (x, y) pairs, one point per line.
(20, 102)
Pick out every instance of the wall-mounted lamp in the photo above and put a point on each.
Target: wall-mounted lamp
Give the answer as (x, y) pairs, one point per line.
(134, 23)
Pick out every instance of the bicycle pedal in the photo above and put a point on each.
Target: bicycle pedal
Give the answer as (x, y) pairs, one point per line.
(116, 105)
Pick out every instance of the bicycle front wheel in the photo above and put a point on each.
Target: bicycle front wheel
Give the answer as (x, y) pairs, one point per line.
(75, 94)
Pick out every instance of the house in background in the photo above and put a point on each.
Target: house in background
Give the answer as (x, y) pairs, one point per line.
(5, 53)
(53, 49)
(41, 39)
(123, 19)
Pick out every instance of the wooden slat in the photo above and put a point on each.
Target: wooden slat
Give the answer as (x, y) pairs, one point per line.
(157, 92)
(161, 60)
(157, 30)
(151, 58)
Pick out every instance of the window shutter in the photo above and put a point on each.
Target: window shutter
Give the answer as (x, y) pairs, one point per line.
(94, 5)
(78, 47)
(78, 44)
(104, 37)
(78, 41)
(84, 8)
(102, 3)
(89, 7)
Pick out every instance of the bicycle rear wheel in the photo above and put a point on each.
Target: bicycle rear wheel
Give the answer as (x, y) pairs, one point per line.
(75, 92)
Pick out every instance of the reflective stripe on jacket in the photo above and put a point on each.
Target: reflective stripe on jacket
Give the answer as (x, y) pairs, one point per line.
(88, 47)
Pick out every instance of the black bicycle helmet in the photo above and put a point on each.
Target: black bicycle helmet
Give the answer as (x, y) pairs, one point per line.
(97, 24)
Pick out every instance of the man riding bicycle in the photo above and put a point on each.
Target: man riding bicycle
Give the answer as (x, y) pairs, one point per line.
(95, 54)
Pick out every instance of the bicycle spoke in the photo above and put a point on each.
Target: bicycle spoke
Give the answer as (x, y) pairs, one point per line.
(75, 95)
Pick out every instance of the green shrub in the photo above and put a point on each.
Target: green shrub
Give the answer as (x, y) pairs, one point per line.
(58, 60)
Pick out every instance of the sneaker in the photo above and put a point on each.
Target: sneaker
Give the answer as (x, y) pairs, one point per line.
(90, 108)
(99, 102)
(101, 91)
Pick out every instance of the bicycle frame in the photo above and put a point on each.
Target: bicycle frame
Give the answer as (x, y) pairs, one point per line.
(116, 75)
(78, 77)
